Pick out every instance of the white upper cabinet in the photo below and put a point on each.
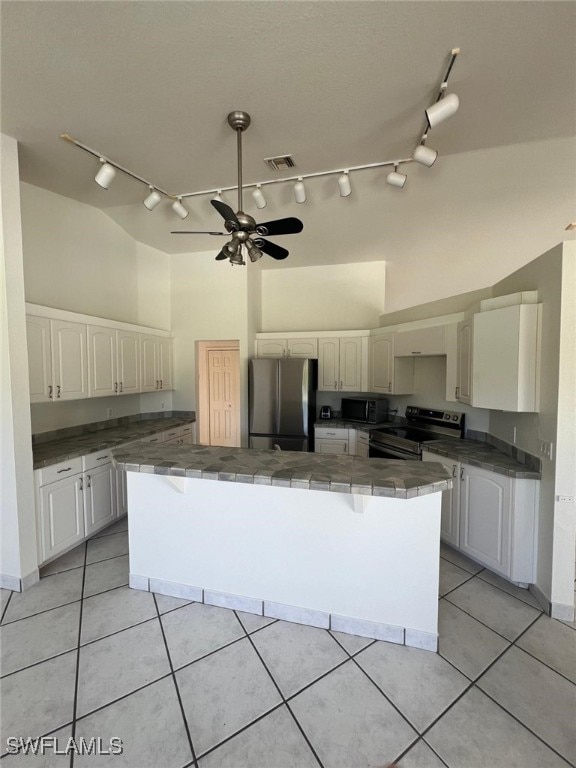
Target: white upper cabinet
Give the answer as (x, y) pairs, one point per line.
(128, 362)
(306, 348)
(464, 362)
(165, 374)
(102, 376)
(39, 358)
(69, 360)
(505, 358)
(340, 363)
(156, 368)
(386, 374)
(421, 341)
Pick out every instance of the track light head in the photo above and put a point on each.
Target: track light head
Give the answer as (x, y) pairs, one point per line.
(253, 251)
(344, 184)
(235, 257)
(300, 191)
(396, 179)
(258, 196)
(153, 199)
(442, 110)
(105, 175)
(179, 209)
(425, 155)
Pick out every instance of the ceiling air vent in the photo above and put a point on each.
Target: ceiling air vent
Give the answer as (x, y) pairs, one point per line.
(280, 163)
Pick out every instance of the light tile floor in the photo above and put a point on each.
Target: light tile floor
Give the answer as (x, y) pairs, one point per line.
(184, 684)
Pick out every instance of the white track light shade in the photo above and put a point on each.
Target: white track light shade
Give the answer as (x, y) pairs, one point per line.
(442, 110)
(179, 209)
(259, 198)
(396, 179)
(425, 155)
(300, 191)
(152, 200)
(344, 184)
(105, 175)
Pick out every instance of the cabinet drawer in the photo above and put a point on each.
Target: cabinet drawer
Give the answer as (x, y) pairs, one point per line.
(187, 429)
(362, 438)
(59, 471)
(98, 459)
(421, 341)
(157, 437)
(334, 432)
(331, 446)
(171, 434)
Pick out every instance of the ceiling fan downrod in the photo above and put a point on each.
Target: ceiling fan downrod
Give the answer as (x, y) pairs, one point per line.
(239, 121)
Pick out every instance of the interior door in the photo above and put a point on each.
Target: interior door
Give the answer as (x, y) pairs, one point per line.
(224, 398)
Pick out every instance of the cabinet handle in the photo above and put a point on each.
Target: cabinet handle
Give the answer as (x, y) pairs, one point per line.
(50, 391)
(157, 382)
(58, 388)
(335, 385)
(64, 470)
(121, 387)
(345, 448)
(115, 387)
(161, 384)
(453, 470)
(461, 473)
(390, 386)
(89, 485)
(341, 384)
(457, 392)
(102, 457)
(416, 353)
(81, 484)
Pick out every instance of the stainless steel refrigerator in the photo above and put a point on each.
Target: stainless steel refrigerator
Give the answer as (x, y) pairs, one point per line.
(282, 403)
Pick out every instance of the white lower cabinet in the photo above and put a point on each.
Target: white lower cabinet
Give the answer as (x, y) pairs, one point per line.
(60, 516)
(99, 498)
(332, 440)
(492, 518)
(362, 448)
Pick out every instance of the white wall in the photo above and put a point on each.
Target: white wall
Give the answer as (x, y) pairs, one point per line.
(209, 301)
(338, 297)
(18, 557)
(553, 275)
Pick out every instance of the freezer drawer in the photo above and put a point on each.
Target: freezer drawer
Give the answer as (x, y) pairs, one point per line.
(284, 443)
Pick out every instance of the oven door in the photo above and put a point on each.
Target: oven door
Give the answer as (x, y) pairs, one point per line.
(379, 451)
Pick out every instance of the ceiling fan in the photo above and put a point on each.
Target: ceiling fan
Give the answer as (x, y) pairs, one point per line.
(243, 228)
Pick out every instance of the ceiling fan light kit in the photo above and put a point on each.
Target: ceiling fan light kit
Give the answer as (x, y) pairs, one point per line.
(242, 226)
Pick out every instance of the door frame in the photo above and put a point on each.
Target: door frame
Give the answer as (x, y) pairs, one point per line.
(203, 389)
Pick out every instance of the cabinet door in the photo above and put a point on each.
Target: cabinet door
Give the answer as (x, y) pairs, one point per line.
(307, 348)
(99, 498)
(464, 382)
(421, 341)
(485, 517)
(450, 517)
(271, 348)
(331, 446)
(61, 516)
(328, 365)
(165, 374)
(69, 360)
(39, 358)
(128, 362)
(150, 380)
(380, 363)
(350, 364)
(102, 379)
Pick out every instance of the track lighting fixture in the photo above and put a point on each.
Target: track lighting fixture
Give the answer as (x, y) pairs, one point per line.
(236, 256)
(179, 209)
(344, 184)
(105, 175)
(425, 155)
(152, 200)
(300, 191)
(442, 110)
(395, 178)
(258, 196)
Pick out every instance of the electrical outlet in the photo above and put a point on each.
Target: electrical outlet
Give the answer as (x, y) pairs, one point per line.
(565, 499)
(108, 413)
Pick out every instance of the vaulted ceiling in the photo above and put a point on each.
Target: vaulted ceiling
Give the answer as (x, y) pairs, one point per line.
(336, 84)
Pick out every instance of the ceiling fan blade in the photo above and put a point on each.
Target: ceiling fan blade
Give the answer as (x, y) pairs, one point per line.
(225, 211)
(289, 226)
(276, 251)
(202, 232)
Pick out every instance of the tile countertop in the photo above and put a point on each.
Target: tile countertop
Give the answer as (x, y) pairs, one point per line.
(359, 425)
(484, 455)
(60, 449)
(289, 469)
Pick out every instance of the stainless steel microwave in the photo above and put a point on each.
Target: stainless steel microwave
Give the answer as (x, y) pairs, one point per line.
(369, 411)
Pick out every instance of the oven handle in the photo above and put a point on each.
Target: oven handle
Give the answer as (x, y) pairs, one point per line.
(394, 451)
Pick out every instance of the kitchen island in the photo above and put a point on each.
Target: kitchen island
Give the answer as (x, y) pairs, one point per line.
(339, 542)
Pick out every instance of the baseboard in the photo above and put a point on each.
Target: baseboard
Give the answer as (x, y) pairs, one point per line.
(16, 584)
(535, 590)
(562, 612)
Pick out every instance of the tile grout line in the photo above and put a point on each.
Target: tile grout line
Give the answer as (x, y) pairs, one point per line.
(536, 607)
(175, 682)
(77, 677)
(491, 628)
(6, 606)
(562, 675)
(449, 592)
(284, 700)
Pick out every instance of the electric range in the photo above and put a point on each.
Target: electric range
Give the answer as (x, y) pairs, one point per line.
(422, 425)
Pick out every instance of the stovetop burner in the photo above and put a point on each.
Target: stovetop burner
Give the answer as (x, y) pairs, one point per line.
(422, 425)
